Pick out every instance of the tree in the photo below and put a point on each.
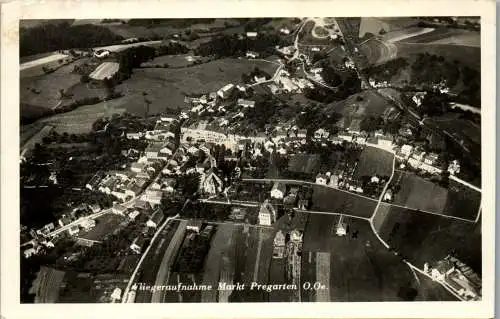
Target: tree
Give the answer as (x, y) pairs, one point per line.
(371, 123)
(382, 32)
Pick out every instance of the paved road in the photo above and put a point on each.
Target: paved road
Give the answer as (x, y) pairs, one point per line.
(42, 61)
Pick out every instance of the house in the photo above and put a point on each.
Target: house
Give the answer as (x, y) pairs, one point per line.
(226, 91)
(375, 179)
(153, 197)
(116, 294)
(321, 179)
(211, 183)
(252, 34)
(285, 31)
(87, 224)
(321, 133)
(303, 204)
(64, 220)
(155, 219)
(29, 252)
(95, 208)
(302, 133)
(279, 245)
(341, 227)
(246, 103)
(48, 228)
(252, 55)
(418, 155)
(134, 136)
(278, 190)
(133, 214)
(119, 209)
(454, 167)
(334, 181)
(267, 214)
(152, 150)
(101, 53)
(406, 150)
(73, 230)
(296, 236)
(388, 195)
(431, 158)
(138, 244)
(384, 142)
(443, 269)
(194, 225)
(137, 167)
(346, 137)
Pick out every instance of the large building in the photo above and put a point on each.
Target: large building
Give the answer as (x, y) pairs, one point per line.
(267, 214)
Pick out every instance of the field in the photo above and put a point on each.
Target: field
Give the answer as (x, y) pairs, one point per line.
(42, 60)
(48, 86)
(306, 35)
(374, 161)
(172, 85)
(447, 36)
(81, 119)
(47, 284)
(374, 25)
(378, 52)
(105, 70)
(104, 226)
(466, 129)
(468, 55)
(328, 199)
(360, 268)
(421, 237)
(371, 104)
(405, 34)
(420, 194)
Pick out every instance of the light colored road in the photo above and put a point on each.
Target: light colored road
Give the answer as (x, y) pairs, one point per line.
(329, 213)
(121, 47)
(163, 274)
(42, 61)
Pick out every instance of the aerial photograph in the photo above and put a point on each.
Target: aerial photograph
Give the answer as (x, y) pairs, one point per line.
(223, 160)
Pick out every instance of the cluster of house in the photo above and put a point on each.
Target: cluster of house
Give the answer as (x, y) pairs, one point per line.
(128, 184)
(457, 276)
(283, 248)
(290, 200)
(155, 217)
(378, 84)
(283, 83)
(218, 101)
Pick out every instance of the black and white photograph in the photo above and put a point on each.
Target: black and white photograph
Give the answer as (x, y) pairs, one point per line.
(250, 160)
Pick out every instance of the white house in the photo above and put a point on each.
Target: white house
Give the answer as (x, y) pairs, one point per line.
(431, 158)
(194, 225)
(406, 149)
(137, 244)
(155, 219)
(285, 31)
(252, 34)
(133, 214)
(252, 55)
(388, 195)
(73, 230)
(119, 209)
(225, 91)
(443, 269)
(153, 197)
(267, 214)
(278, 190)
(321, 179)
(321, 133)
(211, 183)
(246, 103)
(375, 179)
(454, 167)
(87, 224)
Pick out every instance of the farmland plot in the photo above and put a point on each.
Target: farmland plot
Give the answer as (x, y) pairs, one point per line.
(425, 238)
(328, 199)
